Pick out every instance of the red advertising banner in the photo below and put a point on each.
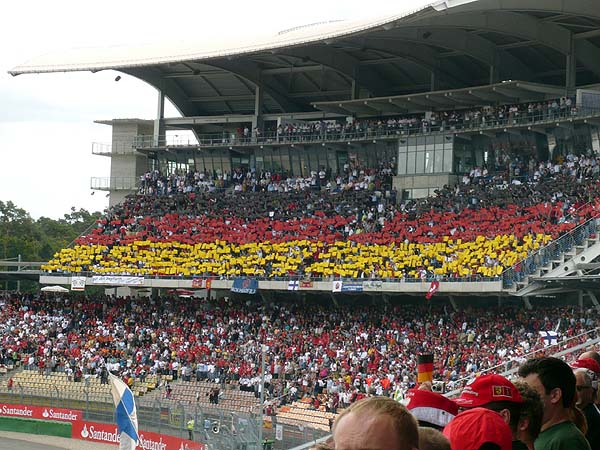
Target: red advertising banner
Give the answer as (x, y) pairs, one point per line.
(109, 434)
(40, 412)
(201, 283)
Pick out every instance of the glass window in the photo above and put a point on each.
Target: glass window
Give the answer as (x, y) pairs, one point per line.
(410, 163)
(420, 167)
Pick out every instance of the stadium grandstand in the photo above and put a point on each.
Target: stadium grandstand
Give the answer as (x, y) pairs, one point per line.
(316, 186)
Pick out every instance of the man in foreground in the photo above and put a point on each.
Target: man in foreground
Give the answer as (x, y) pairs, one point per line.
(376, 423)
(553, 379)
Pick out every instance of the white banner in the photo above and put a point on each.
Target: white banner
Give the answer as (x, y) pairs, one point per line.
(114, 280)
(78, 283)
(279, 432)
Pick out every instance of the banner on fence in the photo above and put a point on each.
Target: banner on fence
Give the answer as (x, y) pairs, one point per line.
(245, 286)
(350, 286)
(40, 412)
(201, 283)
(109, 434)
(114, 280)
(78, 283)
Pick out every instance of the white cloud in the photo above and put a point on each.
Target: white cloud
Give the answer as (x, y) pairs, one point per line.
(46, 121)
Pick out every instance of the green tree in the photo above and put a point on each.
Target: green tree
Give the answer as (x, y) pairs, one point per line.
(39, 240)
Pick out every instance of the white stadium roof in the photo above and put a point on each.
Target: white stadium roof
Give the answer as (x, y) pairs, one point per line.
(117, 57)
(444, 45)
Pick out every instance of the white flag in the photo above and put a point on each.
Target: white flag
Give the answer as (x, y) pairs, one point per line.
(125, 412)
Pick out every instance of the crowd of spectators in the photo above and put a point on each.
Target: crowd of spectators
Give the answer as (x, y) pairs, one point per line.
(333, 354)
(488, 116)
(477, 228)
(351, 177)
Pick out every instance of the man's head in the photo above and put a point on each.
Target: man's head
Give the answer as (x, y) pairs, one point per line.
(554, 381)
(586, 385)
(593, 369)
(376, 422)
(532, 411)
(493, 392)
(432, 439)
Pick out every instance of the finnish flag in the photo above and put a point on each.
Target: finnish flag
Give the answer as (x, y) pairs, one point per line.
(549, 337)
(125, 413)
(293, 285)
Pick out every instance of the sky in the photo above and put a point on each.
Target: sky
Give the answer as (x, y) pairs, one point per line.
(47, 120)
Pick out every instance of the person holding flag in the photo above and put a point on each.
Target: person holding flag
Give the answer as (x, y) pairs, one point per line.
(125, 413)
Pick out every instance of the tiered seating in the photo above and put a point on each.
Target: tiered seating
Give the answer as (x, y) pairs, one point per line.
(477, 229)
(32, 381)
(302, 413)
(140, 388)
(231, 398)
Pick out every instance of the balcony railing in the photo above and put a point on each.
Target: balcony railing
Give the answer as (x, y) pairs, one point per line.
(368, 132)
(115, 183)
(104, 149)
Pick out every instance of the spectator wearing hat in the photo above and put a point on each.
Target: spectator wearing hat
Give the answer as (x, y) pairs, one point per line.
(376, 422)
(591, 354)
(431, 409)
(587, 386)
(478, 429)
(498, 394)
(554, 381)
(530, 420)
(595, 356)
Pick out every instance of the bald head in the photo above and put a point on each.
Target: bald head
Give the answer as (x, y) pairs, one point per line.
(590, 354)
(376, 422)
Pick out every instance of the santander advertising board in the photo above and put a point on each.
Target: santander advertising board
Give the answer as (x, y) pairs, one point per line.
(109, 434)
(40, 412)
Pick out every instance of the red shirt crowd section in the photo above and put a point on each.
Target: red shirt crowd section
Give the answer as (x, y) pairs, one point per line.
(351, 347)
(428, 228)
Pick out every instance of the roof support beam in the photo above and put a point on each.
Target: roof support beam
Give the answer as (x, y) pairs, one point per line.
(293, 69)
(503, 22)
(252, 73)
(222, 98)
(465, 43)
(340, 62)
(421, 55)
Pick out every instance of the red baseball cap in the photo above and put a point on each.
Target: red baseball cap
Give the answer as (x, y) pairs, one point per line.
(587, 363)
(475, 427)
(487, 389)
(430, 407)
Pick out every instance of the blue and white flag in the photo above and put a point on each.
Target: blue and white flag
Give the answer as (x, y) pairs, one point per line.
(549, 337)
(293, 285)
(125, 413)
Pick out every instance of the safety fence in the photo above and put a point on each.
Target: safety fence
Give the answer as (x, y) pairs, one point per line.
(213, 427)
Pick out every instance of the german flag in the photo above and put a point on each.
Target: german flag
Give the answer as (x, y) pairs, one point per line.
(424, 368)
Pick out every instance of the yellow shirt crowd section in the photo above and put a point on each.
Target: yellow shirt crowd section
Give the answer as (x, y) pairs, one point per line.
(483, 257)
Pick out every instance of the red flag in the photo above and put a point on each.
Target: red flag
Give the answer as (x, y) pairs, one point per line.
(433, 288)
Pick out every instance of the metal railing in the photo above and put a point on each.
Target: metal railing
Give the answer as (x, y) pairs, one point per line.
(115, 183)
(217, 428)
(367, 131)
(551, 252)
(121, 148)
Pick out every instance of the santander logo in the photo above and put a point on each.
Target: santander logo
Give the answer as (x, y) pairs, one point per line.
(45, 414)
(84, 433)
